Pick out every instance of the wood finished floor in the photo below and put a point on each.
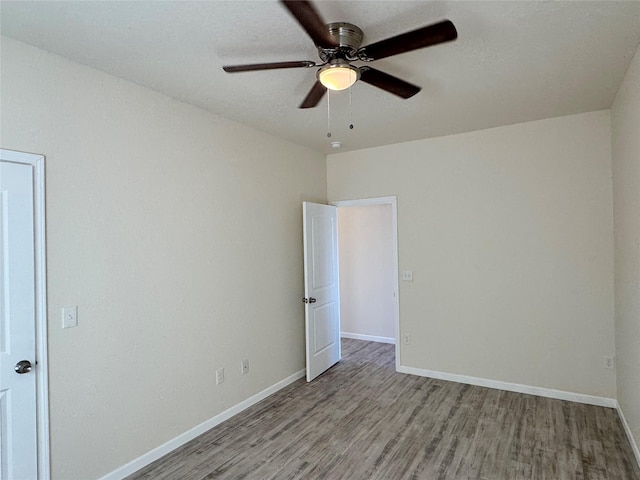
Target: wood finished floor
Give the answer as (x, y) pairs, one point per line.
(362, 420)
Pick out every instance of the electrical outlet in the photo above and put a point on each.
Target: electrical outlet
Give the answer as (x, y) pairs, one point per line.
(407, 276)
(245, 366)
(608, 362)
(219, 376)
(406, 339)
(69, 317)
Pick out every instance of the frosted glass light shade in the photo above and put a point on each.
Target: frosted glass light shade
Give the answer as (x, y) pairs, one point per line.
(337, 78)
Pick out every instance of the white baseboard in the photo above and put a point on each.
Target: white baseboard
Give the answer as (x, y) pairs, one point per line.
(513, 387)
(369, 338)
(156, 453)
(627, 429)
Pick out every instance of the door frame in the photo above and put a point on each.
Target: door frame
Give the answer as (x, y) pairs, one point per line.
(393, 201)
(42, 384)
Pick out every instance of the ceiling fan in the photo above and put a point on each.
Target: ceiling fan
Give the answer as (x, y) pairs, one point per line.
(338, 46)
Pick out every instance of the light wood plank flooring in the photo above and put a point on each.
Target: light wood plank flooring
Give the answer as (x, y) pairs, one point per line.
(362, 420)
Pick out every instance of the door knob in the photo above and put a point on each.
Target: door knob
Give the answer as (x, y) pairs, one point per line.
(23, 366)
(312, 300)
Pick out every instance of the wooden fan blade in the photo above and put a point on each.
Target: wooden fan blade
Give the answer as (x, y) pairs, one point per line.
(388, 82)
(441, 32)
(314, 96)
(308, 17)
(267, 66)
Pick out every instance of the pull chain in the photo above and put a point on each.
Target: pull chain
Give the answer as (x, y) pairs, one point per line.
(328, 113)
(350, 111)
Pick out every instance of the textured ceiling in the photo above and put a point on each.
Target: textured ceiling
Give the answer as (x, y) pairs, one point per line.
(513, 61)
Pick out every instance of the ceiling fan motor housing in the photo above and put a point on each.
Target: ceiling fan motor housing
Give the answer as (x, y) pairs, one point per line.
(347, 36)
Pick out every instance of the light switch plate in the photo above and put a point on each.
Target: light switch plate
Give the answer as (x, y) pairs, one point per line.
(407, 276)
(69, 317)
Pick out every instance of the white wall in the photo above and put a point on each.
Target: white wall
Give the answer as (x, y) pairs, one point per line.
(509, 234)
(178, 235)
(625, 133)
(367, 284)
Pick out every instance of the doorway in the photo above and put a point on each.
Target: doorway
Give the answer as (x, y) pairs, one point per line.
(368, 259)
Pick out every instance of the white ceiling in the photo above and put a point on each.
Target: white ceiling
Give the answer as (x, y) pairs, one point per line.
(514, 61)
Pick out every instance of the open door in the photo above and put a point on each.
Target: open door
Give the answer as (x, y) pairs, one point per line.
(321, 287)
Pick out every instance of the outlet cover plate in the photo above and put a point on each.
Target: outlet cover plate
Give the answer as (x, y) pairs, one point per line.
(69, 316)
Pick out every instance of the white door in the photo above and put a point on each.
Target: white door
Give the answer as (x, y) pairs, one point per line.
(18, 440)
(321, 287)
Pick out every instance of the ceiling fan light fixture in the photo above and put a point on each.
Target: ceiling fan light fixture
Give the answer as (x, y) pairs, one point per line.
(338, 76)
